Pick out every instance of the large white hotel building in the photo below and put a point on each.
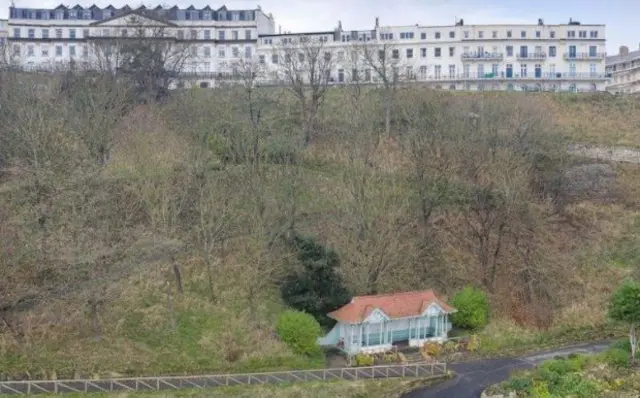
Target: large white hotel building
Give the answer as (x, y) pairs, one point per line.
(539, 56)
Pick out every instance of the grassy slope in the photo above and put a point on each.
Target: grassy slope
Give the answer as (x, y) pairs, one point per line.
(224, 337)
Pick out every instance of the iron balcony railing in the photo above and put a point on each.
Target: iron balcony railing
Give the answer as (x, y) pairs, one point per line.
(532, 56)
(584, 56)
(516, 76)
(481, 56)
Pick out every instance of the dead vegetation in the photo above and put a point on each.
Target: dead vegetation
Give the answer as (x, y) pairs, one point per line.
(149, 239)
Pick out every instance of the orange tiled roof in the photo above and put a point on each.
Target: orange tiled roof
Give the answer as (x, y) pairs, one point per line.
(395, 305)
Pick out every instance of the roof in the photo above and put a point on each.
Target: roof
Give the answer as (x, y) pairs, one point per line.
(394, 305)
(619, 58)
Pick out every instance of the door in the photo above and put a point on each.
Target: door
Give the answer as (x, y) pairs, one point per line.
(572, 51)
(509, 71)
(538, 71)
(524, 51)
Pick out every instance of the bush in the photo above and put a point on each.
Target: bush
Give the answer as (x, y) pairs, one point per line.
(474, 343)
(617, 357)
(364, 360)
(519, 384)
(431, 349)
(473, 309)
(300, 331)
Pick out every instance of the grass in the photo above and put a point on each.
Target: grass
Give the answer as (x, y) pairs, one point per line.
(340, 389)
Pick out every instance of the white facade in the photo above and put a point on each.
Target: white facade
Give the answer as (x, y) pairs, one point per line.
(623, 70)
(215, 38)
(568, 57)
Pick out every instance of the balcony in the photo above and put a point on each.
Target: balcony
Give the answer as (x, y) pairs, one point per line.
(584, 56)
(516, 76)
(481, 56)
(532, 56)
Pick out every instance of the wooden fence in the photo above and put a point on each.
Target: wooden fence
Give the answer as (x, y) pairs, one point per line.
(28, 387)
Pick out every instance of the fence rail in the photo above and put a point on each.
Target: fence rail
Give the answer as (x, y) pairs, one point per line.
(28, 387)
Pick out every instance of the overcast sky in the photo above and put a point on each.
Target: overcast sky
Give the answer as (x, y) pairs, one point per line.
(620, 16)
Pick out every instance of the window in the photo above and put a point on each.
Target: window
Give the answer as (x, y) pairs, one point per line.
(452, 34)
(234, 35)
(105, 32)
(222, 53)
(16, 32)
(438, 71)
(592, 69)
(494, 34)
(523, 34)
(437, 51)
(180, 34)
(552, 51)
(423, 36)
(480, 71)
(85, 51)
(341, 55)
(367, 75)
(248, 53)
(58, 51)
(509, 34)
(481, 34)
(572, 69)
(274, 58)
(509, 51)
(452, 51)
(72, 33)
(423, 72)
(73, 14)
(593, 50)
(86, 33)
(571, 33)
(494, 69)
(406, 35)
(466, 34)
(523, 70)
(72, 51)
(124, 33)
(206, 15)
(16, 49)
(30, 51)
(582, 34)
(194, 34)
(423, 52)
(31, 33)
(207, 51)
(221, 35)
(235, 52)
(247, 34)
(327, 56)
(341, 75)
(193, 51)
(60, 15)
(466, 71)
(193, 15)
(552, 34)
(395, 54)
(58, 33)
(45, 33)
(452, 71)
(45, 51)
(437, 35)
(593, 34)
(409, 53)
(86, 14)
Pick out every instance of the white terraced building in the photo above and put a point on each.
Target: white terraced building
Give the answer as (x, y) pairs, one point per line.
(624, 71)
(558, 57)
(45, 38)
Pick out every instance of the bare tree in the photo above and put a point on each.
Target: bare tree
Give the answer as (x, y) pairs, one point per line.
(148, 53)
(306, 64)
(382, 56)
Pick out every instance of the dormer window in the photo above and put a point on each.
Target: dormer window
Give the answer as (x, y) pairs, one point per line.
(222, 15)
(86, 14)
(106, 14)
(73, 14)
(206, 15)
(59, 14)
(194, 15)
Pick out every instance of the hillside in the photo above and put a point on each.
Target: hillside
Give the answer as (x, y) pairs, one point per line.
(152, 239)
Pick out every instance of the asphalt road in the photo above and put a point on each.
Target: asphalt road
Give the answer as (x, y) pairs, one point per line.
(474, 377)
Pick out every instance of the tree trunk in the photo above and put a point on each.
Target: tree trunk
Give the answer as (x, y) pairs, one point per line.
(633, 339)
(210, 279)
(176, 271)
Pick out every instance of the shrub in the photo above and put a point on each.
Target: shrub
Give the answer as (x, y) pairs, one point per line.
(364, 360)
(519, 384)
(474, 343)
(617, 357)
(300, 331)
(473, 308)
(432, 349)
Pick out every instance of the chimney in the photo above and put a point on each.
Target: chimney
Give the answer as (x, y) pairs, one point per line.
(279, 29)
(340, 25)
(377, 22)
(624, 50)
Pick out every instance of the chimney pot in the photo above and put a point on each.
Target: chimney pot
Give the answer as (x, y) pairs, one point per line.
(624, 50)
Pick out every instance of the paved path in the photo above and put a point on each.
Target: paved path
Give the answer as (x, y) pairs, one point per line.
(474, 377)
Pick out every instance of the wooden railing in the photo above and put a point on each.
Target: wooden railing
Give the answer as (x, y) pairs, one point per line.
(28, 387)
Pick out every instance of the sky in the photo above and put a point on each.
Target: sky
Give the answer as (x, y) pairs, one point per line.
(620, 16)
